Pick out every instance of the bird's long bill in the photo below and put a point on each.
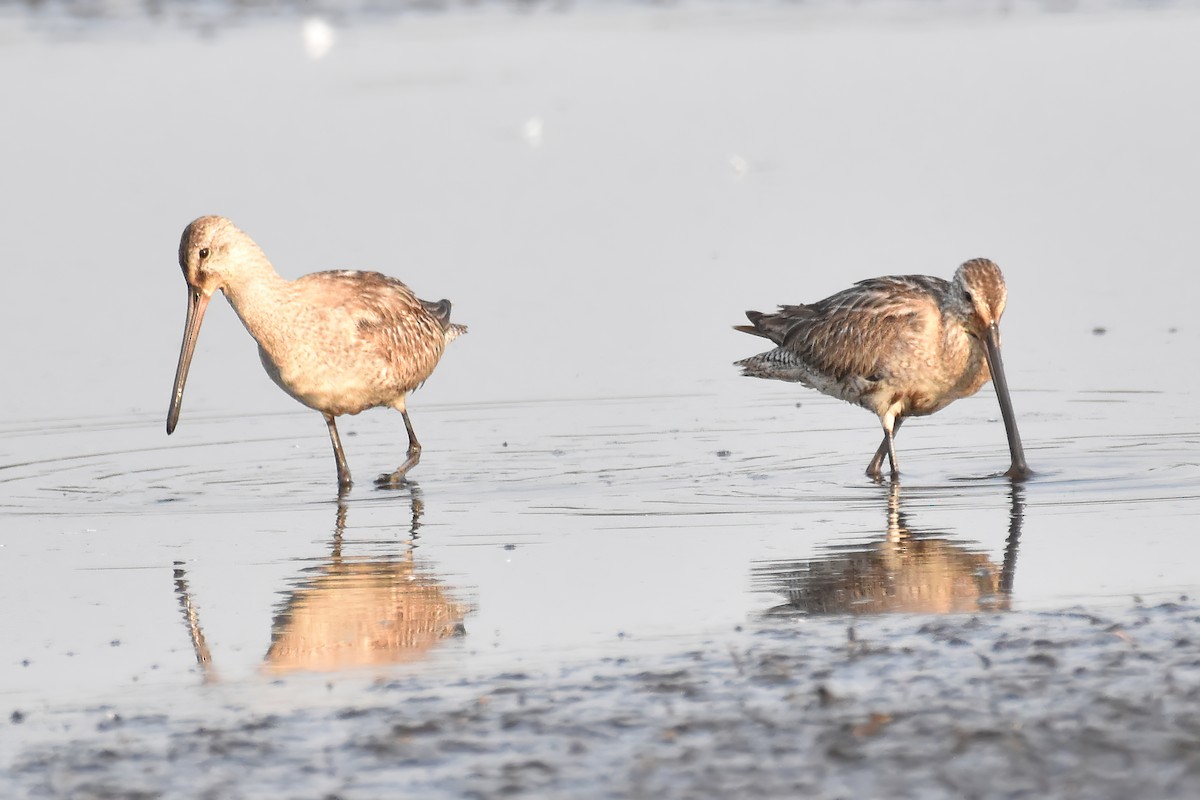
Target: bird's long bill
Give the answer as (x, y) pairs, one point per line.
(1019, 469)
(197, 303)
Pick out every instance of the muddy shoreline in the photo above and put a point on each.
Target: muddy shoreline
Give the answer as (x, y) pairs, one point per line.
(1075, 703)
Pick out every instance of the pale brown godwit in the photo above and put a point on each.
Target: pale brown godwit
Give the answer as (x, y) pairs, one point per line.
(901, 346)
(339, 342)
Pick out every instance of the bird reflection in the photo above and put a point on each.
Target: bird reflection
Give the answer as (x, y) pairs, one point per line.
(907, 571)
(191, 617)
(351, 611)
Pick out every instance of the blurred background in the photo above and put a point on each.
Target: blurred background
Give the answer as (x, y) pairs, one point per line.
(600, 188)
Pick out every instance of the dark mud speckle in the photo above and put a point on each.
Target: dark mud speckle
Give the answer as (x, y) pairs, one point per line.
(1007, 705)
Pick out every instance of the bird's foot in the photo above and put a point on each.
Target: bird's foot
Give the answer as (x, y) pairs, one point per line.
(395, 480)
(392, 480)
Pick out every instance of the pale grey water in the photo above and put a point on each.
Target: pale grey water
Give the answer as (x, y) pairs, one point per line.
(601, 193)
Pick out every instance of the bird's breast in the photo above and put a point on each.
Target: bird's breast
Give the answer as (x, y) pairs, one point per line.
(928, 375)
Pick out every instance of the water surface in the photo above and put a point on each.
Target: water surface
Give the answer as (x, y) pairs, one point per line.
(601, 194)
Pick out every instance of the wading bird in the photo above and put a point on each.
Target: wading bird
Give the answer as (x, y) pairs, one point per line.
(900, 346)
(339, 342)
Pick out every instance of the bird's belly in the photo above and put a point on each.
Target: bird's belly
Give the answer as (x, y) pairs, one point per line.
(926, 397)
(331, 387)
(919, 405)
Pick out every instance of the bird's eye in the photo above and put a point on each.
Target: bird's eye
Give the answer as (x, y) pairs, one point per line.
(203, 253)
(967, 297)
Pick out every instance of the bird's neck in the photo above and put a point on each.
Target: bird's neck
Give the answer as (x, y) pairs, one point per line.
(263, 300)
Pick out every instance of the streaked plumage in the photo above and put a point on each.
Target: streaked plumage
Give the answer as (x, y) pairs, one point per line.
(339, 342)
(899, 346)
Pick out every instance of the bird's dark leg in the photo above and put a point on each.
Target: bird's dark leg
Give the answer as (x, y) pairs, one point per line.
(344, 481)
(886, 448)
(414, 457)
(873, 469)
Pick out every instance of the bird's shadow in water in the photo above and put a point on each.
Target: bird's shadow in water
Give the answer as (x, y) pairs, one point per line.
(348, 611)
(908, 570)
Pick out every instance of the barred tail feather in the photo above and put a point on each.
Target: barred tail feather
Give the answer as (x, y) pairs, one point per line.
(778, 364)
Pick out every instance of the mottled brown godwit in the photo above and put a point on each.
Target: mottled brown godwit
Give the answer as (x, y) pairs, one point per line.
(339, 342)
(901, 346)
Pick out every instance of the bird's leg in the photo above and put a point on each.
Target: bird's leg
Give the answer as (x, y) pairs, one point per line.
(873, 469)
(414, 447)
(414, 457)
(344, 481)
(887, 447)
(893, 462)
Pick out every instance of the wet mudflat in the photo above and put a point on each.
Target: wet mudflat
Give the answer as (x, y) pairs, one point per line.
(1017, 705)
(622, 569)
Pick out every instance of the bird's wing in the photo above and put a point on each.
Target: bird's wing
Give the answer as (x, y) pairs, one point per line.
(384, 311)
(855, 332)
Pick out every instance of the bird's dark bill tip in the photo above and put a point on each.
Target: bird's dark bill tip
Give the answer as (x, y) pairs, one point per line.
(173, 414)
(1019, 472)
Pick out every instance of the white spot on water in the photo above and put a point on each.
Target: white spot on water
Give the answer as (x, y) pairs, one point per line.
(318, 38)
(532, 130)
(740, 165)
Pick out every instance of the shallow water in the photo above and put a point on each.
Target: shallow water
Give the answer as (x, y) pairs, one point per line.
(598, 484)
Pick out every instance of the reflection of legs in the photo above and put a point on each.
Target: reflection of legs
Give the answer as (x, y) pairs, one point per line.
(887, 447)
(418, 508)
(414, 455)
(343, 470)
